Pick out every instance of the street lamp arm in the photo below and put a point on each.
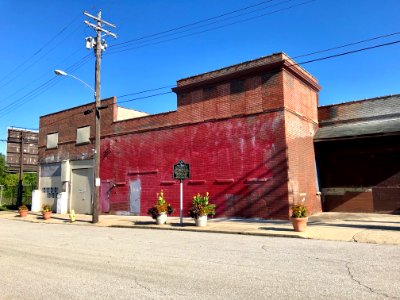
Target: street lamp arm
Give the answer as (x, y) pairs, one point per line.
(62, 73)
(87, 85)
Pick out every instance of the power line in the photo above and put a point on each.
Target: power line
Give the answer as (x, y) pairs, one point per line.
(145, 91)
(294, 57)
(19, 90)
(346, 53)
(57, 35)
(294, 64)
(13, 104)
(210, 29)
(145, 97)
(204, 25)
(82, 112)
(347, 45)
(41, 88)
(191, 24)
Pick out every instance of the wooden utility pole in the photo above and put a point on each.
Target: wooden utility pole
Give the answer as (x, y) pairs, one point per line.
(21, 171)
(99, 46)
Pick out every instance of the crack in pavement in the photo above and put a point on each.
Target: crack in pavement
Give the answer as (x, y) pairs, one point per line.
(364, 285)
(354, 239)
(136, 280)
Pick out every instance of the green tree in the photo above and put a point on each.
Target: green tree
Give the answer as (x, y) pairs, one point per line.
(3, 168)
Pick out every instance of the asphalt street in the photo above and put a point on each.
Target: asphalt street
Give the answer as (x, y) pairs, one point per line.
(42, 261)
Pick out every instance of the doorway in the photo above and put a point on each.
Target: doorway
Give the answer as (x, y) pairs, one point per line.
(81, 191)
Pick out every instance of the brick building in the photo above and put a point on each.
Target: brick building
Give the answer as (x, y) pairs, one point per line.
(358, 155)
(246, 130)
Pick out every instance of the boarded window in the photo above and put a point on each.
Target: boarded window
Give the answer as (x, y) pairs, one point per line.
(237, 86)
(209, 92)
(50, 170)
(52, 140)
(266, 77)
(83, 135)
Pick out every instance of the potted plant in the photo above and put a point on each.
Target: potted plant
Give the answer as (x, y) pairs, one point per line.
(23, 211)
(160, 211)
(299, 217)
(201, 208)
(46, 212)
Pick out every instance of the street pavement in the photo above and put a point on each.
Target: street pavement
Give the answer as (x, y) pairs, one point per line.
(44, 260)
(350, 227)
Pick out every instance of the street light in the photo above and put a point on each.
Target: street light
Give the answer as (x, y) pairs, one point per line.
(62, 73)
(96, 169)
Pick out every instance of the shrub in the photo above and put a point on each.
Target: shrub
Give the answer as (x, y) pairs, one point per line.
(201, 206)
(161, 206)
(299, 211)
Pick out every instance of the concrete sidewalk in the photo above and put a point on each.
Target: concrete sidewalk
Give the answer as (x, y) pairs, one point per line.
(351, 227)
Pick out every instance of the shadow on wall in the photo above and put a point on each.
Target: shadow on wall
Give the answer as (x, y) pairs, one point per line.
(263, 199)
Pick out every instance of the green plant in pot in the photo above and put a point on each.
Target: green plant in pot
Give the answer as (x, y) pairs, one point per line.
(201, 208)
(160, 211)
(46, 211)
(299, 217)
(23, 210)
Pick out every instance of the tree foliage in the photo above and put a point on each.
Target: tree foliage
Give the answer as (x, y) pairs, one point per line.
(10, 182)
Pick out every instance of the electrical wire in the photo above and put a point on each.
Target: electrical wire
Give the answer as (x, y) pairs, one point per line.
(294, 57)
(41, 89)
(294, 64)
(346, 53)
(141, 41)
(44, 74)
(37, 52)
(82, 112)
(210, 29)
(190, 24)
(145, 91)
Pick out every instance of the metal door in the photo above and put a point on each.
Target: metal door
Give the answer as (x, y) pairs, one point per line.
(81, 191)
(105, 190)
(134, 197)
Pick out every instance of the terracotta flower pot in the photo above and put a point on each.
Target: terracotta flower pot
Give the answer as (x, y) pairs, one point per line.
(46, 215)
(299, 224)
(23, 213)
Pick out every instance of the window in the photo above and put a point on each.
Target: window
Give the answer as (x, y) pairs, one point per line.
(237, 86)
(83, 135)
(209, 92)
(52, 140)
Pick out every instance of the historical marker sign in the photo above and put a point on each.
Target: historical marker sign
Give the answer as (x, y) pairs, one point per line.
(181, 170)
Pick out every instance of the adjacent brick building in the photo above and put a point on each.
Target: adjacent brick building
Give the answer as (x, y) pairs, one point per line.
(358, 155)
(246, 130)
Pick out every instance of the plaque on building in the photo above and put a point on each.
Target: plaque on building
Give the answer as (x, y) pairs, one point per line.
(181, 170)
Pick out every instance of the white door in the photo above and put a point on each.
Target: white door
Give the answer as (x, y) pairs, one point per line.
(81, 191)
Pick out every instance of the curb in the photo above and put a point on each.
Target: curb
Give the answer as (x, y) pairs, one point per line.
(209, 231)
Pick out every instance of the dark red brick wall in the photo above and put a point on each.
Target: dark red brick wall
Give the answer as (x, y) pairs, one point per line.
(301, 123)
(240, 161)
(248, 140)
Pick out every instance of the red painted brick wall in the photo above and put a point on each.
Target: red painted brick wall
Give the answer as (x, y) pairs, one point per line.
(240, 149)
(241, 129)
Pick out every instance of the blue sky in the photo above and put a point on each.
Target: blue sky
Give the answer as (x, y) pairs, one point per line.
(40, 36)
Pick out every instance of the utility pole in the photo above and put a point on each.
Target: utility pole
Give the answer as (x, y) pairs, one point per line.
(98, 45)
(21, 171)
